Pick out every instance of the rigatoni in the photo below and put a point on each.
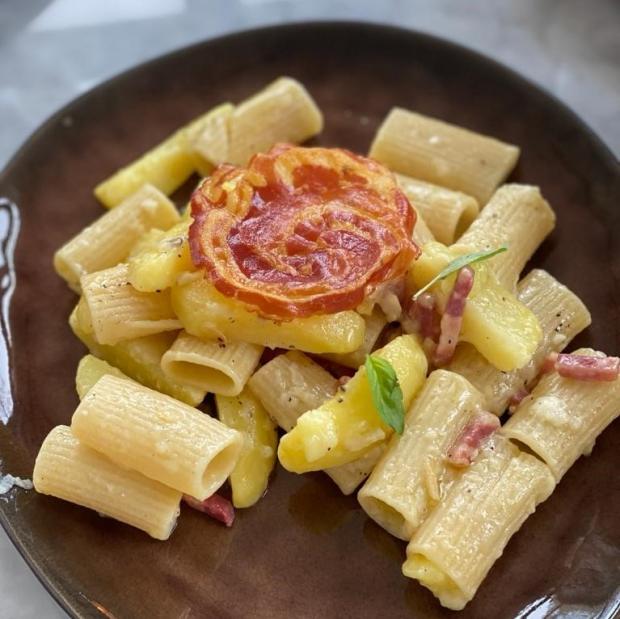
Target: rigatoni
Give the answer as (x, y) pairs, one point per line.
(160, 437)
(245, 414)
(140, 359)
(520, 218)
(458, 543)
(446, 213)
(413, 474)
(208, 141)
(217, 366)
(562, 417)
(68, 470)
(561, 314)
(283, 112)
(117, 311)
(108, 240)
(421, 232)
(291, 384)
(437, 152)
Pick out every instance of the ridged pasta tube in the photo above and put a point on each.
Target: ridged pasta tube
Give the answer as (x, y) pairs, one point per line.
(446, 213)
(413, 474)
(291, 384)
(156, 435)
(284, 111)
(140, 359)
(69, 470)
(467, 532)
(213, 365)
(208, 141)
(117, 311)
(561, 314)
(516, 216)
(443, 154)
(108, 240)
(562, 417)
(421, 232)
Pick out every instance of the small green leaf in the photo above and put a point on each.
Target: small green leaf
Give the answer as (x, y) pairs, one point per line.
(387, 396)
(458, 263)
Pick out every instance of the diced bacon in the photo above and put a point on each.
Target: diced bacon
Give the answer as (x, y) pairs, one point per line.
(453, 316)
(343, 380)
(583, 367)
(516, 399)
(215, 506)
(471, 438)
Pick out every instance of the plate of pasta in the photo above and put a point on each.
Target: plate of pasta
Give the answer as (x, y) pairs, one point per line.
(313, 320)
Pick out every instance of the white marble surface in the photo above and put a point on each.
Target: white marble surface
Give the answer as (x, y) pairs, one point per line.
(50, 51)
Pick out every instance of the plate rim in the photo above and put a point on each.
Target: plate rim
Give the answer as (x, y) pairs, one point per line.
(71, 606)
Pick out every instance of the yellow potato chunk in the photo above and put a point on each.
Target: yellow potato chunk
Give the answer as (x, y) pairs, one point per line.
(90, 370)
(348, 425)
(246, 414)
(502, 329)
(167, 165)
(206, 313)
(159, 257)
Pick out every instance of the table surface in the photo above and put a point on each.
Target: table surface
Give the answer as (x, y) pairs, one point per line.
(51, 51)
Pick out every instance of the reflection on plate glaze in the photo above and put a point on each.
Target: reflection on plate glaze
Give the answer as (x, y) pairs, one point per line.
(9, 231)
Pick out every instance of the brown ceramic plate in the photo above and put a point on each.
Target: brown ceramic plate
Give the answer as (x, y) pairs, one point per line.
(304, 550)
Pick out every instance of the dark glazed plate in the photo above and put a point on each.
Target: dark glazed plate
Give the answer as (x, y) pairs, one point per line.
(304, 550)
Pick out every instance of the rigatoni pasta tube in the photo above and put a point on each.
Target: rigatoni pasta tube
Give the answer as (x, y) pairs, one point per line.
(283, 112)
(291, 384)
(246, 414)
(69, 470)
(160, 437)
(206, 313)
(562, 417)
(411, 477)
(443, 154)
(216, 366)
(520, 218)
(117, 311)
(108, 240)
(208, 140)
(348, 425)
(456, 546)
(140, 359)
(561, 314)
(447, 213)
(421, 232)
(166, 166)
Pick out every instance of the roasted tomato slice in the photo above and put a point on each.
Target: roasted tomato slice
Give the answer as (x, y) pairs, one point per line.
(301, 231)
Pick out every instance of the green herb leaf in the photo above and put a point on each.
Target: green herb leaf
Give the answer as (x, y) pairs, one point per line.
(458, 263)
(387, 396)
